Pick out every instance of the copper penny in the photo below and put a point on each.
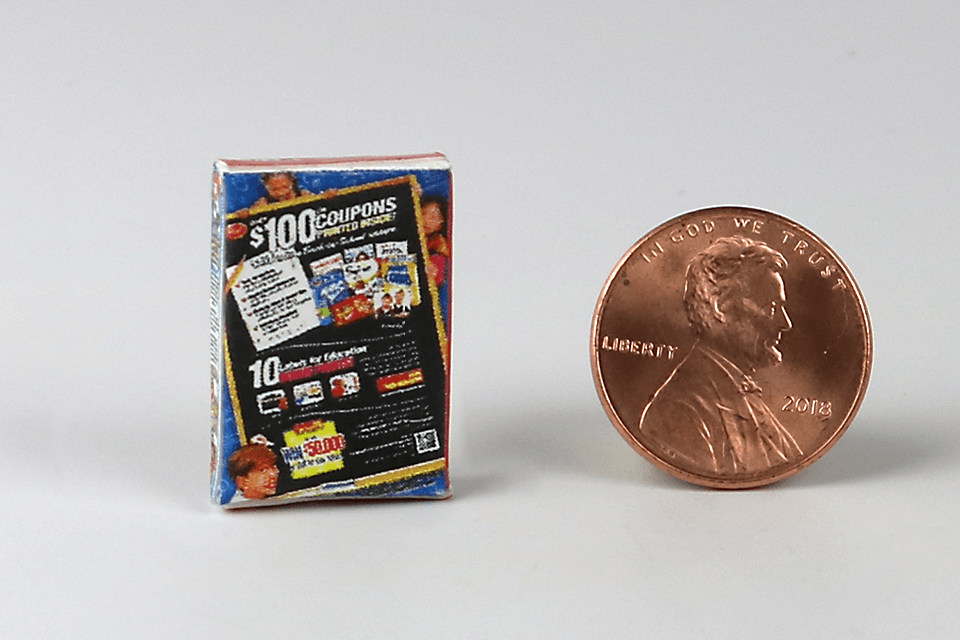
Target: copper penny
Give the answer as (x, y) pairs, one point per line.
(731, 347)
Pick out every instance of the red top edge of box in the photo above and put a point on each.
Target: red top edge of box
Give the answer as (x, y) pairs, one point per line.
(315, 161)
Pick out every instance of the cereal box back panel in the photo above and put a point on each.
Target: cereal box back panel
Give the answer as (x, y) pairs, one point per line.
(330, 327)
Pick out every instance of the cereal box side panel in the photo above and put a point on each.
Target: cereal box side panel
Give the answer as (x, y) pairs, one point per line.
(216, 334)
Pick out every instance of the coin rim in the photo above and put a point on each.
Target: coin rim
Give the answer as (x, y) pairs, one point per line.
(754, 480)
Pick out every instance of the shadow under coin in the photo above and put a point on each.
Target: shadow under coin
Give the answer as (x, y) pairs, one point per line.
(575, 440)
(874, 449)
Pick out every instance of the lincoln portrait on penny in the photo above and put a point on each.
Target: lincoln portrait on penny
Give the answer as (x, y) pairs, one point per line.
(709, 415)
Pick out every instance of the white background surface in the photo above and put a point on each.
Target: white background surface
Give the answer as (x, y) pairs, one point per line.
(573, 128)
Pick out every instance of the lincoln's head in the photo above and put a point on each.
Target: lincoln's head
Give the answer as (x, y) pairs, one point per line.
(734, 298)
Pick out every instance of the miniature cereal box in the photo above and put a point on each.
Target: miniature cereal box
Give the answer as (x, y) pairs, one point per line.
(330, 329)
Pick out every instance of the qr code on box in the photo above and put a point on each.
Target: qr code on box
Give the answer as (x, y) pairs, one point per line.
(427, 441)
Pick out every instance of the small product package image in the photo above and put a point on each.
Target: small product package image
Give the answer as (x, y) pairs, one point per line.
(330, 325)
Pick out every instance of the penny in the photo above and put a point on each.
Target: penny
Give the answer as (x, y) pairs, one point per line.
(731, 347)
